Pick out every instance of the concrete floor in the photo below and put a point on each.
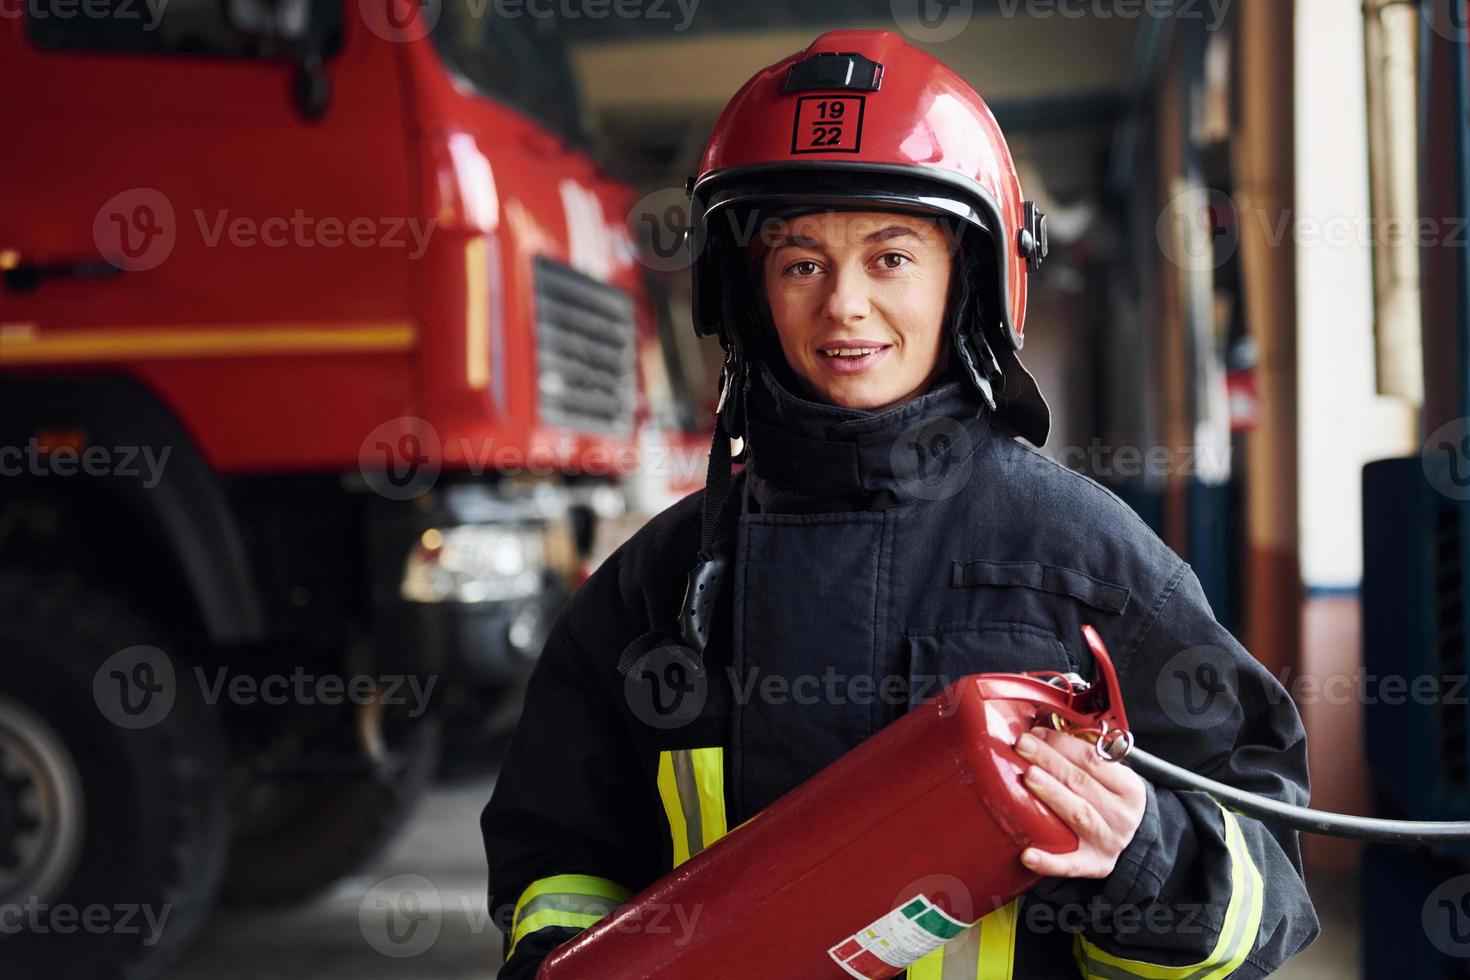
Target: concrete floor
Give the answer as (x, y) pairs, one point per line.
(433, 926)
(438, 928)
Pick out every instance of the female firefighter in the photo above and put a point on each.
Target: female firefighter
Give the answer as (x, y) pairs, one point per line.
(862, 251)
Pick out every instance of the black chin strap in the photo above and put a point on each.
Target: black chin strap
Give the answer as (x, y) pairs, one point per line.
(707, 578)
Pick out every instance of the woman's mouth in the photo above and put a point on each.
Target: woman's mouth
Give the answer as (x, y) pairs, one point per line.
(853, 358)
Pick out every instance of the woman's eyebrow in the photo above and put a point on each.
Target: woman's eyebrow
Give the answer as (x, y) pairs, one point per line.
(892, 231)
(881, 235)
(795, 241)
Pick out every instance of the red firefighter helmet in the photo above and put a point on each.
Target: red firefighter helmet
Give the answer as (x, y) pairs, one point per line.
(863, 120)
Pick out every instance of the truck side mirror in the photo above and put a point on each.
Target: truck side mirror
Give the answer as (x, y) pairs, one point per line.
(288, 23)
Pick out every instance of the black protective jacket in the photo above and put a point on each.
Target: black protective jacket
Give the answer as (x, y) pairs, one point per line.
(878, 556)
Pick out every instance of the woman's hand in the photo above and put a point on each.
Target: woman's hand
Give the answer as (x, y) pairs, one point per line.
(1101, 801)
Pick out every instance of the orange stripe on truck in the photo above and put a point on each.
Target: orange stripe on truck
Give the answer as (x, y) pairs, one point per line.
(28, 344)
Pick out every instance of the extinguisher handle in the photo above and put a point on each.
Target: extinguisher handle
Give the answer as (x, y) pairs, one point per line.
(1094, 710)
(1068, 707)
(1104, 700)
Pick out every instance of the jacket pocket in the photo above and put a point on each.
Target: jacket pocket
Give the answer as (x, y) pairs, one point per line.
(1057, 580)
(939, 657)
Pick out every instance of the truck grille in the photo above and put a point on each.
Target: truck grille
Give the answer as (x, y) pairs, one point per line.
(585, 351)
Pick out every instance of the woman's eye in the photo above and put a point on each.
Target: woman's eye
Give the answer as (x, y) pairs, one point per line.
(893, 260)
(802, 269)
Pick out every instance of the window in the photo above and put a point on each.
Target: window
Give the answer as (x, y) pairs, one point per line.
(197, 27)
(516, 58)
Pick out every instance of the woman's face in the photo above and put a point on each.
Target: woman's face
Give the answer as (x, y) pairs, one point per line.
(858, 303)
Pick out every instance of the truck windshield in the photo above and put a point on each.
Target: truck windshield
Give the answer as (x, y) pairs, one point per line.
(197, 27)
(518, 58)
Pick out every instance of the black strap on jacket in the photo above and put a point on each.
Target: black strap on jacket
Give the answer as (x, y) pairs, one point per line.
(707, 579)
(716, 541)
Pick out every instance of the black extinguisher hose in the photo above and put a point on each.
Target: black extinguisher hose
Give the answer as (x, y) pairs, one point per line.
(1265, 809)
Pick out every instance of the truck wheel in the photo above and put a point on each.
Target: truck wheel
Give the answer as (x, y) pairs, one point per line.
(113, 816)
(299, 835)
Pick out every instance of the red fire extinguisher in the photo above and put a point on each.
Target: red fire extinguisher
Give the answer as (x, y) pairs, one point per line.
(830, 880)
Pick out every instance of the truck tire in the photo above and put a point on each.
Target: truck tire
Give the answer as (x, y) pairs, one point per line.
(113, 823)
(311, 832)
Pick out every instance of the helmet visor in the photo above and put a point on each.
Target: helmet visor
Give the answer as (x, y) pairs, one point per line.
(783, 193)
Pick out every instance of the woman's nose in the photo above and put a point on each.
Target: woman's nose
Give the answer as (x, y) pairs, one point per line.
(848, 299)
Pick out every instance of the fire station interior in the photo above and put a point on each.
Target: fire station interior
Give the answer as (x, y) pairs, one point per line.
(1252, 326)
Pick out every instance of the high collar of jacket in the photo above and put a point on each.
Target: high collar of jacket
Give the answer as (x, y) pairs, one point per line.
(804, 455)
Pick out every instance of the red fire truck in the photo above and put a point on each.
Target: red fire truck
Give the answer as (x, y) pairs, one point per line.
(321, 336)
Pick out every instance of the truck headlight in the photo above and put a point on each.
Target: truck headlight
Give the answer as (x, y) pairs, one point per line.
(475, 563)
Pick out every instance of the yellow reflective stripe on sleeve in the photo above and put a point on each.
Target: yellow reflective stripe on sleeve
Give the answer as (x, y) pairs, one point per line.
(931, 967)
(997, 944)
(691, 783)
(547, 918)
(668, 791)
(577, 901)
(709, 774)
(1237, 934)
(985, 951)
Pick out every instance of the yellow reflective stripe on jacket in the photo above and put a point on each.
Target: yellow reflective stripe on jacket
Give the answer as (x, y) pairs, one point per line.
(1237, 935)
(691, 783)
(577, 901)
(985, 951)
(998, 944)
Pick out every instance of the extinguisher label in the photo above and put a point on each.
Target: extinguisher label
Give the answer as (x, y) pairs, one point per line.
(897, 941)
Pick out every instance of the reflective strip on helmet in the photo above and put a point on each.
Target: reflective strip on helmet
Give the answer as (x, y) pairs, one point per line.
(691, 783)
(576, 901)
(1237, 935)
(985, 951)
